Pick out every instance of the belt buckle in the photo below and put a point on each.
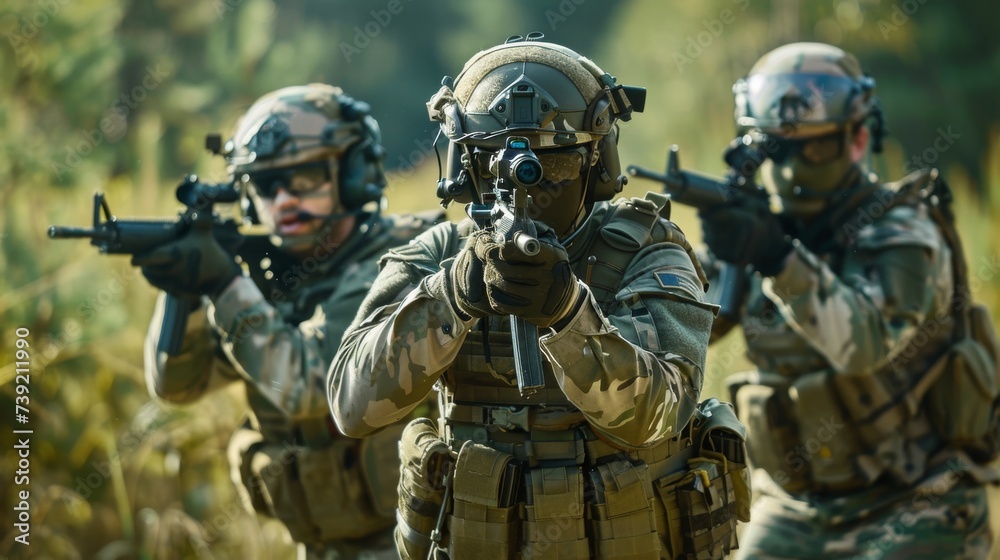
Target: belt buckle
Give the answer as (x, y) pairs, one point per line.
(509, 418)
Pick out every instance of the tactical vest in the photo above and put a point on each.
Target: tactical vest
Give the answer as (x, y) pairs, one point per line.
(323, 486)
(830, 433)
(529, 478)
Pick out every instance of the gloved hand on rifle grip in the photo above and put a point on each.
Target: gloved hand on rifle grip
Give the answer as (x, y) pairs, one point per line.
(540, 288)
(745, 235)
(195, 264)
(460, 280)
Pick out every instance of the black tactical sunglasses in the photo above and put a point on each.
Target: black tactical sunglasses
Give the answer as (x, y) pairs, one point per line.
(299, 180)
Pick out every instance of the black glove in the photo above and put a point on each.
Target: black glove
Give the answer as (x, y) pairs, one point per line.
(540, 288)
(746, 235)
(460, 280)
(195, 264)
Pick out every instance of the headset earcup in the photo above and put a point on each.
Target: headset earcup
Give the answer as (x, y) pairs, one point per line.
(360, 172)
(608, 168)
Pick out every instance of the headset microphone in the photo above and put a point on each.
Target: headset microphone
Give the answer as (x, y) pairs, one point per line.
(303, 216)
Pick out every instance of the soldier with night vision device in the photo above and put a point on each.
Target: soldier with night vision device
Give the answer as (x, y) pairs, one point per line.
(309, 161)
(612, 456)
(873, 411)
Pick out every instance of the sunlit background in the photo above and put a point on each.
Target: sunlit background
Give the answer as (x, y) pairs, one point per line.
(117, 96)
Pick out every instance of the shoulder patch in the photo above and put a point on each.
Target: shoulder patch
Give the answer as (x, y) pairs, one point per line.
(667, 279)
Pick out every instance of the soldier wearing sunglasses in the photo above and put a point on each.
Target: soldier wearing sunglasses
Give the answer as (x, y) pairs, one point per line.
(309, 161)
(850, 318)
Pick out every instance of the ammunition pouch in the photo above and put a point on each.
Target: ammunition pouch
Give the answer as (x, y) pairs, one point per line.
(764, 406)
(485, 519)
(963, 403)
(714, 493)
(324, 494)
(624, 512)
(426, 462)
(810, 447)
(563, 492)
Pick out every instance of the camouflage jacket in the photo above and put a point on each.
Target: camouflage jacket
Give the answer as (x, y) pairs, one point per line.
(632, 366)
(839, 336)
(280, 348)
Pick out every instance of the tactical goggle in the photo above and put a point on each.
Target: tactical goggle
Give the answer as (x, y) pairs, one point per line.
(793, 100)
(299, 181)
(558, 164)
(813, 151)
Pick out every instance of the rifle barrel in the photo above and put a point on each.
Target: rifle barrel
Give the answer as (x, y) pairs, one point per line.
(63, 232)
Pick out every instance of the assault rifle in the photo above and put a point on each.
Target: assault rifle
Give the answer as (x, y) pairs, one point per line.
(504, 213)
(703, 192)
(114, 236)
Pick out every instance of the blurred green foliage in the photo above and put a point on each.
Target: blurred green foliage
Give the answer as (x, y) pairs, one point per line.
(117, 96)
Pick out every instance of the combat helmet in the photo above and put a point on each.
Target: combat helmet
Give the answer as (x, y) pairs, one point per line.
(562, 102)
(802, 104)
(314, 125)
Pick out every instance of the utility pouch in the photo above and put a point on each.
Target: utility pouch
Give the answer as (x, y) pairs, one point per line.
(554, 514)
(622, 515)
(701, 510)
(425, 461)
(722, 437)
(275, 468)
(825, 439)
(484, 519)
(335, 491)
(766, 408)
(962, 403)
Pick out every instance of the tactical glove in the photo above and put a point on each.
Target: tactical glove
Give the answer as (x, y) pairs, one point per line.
(540, 288)
(195, 264)
(460, 280)
(746, 235)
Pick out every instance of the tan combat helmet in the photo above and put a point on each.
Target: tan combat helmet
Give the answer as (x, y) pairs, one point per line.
(562, 102)
(310, 125)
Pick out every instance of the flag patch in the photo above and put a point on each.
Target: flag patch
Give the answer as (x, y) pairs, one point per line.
(667, 279)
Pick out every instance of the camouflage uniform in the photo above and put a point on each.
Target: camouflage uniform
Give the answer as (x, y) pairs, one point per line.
(849, 337)
(309, 160)
(604, 461)
(294, 468)
(839, 332)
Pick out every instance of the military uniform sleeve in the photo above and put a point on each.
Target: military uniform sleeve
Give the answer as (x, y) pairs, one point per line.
(901, 278)
(200, 366)
(636, 373)
(713, 268)
(391, 358)
(286, 362)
